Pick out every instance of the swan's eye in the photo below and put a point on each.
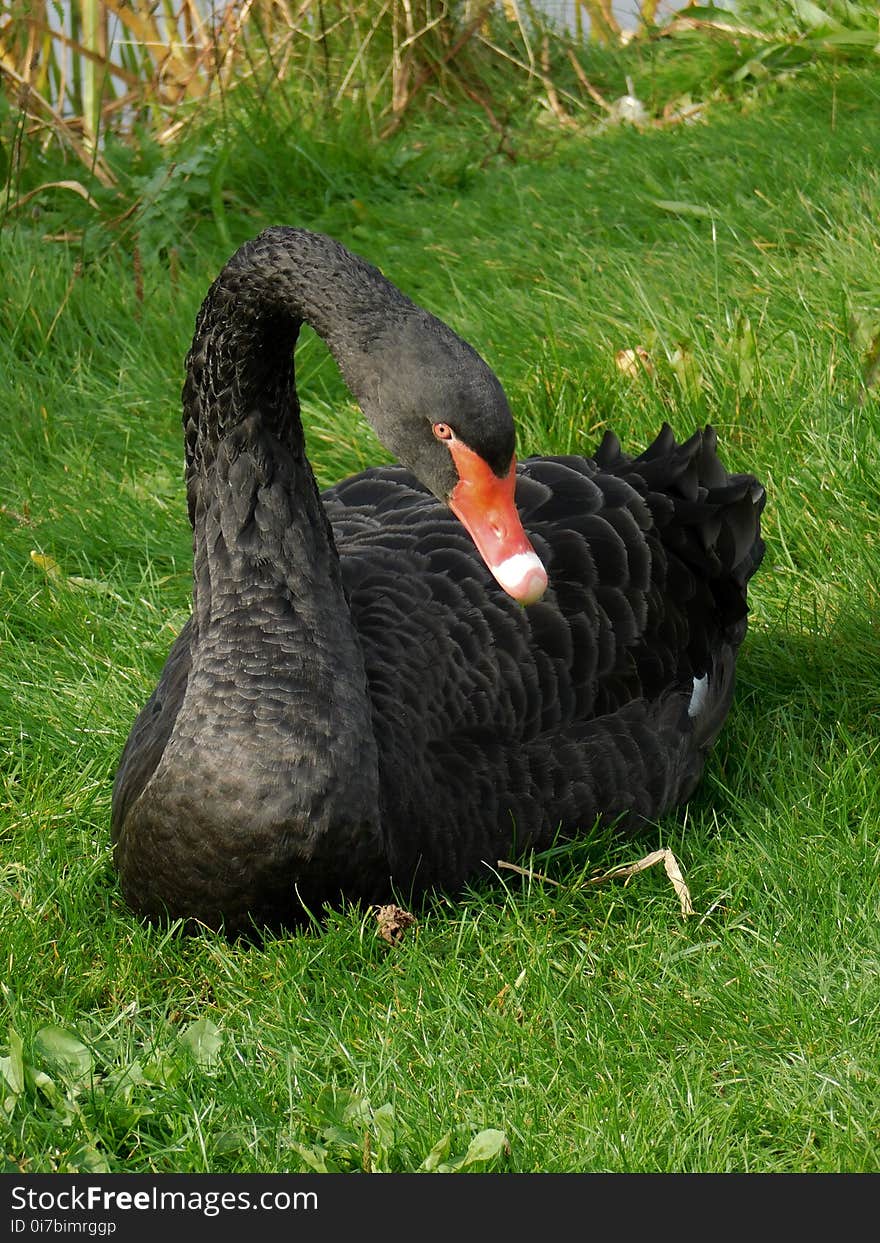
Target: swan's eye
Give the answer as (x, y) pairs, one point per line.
(442, 431)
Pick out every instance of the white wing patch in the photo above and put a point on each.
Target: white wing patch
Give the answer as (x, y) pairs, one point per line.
(698, 696)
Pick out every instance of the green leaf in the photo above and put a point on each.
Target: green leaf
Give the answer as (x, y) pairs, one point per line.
(228, 1142)
(708, 13)
(849, 38)
(383, 1121)
(438, 1153)
(811, 15)
(485, 1147)
(861, 329)
(203, 1039)
(121, 1082)
(341, 1137)
(342, 1108)
(755, 66)
(53, 1094)
(384, 1131)
(314, 1157)
(88, 1160)
(652, 185)
(64, 1050)
(677, 208)
(687, 372)
(864, 335)
(743, 347)
(12, 1067)
(165, 1070)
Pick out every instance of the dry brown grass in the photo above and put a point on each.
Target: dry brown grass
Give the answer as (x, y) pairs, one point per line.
(80, 69)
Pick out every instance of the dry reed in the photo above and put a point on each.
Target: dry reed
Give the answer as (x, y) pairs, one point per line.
(77, 69)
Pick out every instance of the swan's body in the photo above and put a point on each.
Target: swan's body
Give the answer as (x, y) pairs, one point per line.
(388, 718)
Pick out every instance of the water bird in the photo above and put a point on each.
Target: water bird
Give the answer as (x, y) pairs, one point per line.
(385, 686)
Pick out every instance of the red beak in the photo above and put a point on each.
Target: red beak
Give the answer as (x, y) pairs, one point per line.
(484, 504)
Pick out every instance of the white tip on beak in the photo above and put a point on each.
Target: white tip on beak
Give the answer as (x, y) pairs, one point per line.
(522, 576)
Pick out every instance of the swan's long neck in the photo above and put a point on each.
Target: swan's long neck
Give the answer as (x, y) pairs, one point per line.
(240, 365)
(275, 650)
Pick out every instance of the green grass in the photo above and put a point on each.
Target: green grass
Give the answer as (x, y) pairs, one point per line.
(593, 1027)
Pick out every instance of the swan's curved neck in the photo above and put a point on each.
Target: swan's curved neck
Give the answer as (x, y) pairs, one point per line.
(240, 364)
(274, 642)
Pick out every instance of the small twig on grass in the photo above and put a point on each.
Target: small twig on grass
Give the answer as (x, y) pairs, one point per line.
(665, 856)
(559, 112)
(76, 186)
(532, 875)
(75, 275)
(504, 145)
(594, 94)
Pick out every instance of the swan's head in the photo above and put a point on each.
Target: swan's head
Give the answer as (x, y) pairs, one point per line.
(483, 501)
(438, 406)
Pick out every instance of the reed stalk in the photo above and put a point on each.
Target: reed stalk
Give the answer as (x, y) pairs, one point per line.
(96, 64)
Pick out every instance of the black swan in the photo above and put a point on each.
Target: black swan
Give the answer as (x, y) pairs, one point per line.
(357, 707)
